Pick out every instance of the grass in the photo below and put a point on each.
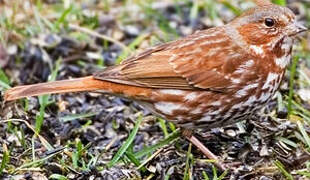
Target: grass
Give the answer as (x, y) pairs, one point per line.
(304, 173)
(147, 150)
(280, 2)
(188, 164)
(285, 173)
(57, 177)
(304, 133)
(215, 174)
(233, 8)
(131, 47)
(163, 127)
(292, 80)
(44, 100)
(126, 144)
(4, 80)
(5, 158)
(134, 157)
(35, 163)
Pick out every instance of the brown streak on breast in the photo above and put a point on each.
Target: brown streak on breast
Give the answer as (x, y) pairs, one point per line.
(277, 50)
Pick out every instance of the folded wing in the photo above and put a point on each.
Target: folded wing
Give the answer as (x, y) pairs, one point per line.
(202, 60)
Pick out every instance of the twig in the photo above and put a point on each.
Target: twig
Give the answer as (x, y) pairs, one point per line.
(42, 139)
(111, 143)
(150, 158)
(95, 34)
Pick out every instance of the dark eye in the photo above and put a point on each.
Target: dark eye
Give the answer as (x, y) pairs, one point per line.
(269, 22)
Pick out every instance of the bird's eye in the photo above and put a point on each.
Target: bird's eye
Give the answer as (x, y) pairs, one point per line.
(269, 22)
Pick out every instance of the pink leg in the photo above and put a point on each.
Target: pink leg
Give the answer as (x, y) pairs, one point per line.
(203, 149)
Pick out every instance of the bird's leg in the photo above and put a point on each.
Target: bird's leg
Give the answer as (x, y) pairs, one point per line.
(189, 136)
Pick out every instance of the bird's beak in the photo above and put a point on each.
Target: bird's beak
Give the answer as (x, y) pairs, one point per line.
(296, 28)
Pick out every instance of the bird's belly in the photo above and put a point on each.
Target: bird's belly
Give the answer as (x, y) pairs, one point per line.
(209, 109)
(205, 109)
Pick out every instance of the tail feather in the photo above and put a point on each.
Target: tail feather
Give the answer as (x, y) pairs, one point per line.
(74, 85)
(88, 83)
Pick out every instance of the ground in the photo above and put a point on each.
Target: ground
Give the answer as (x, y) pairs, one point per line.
(96, 136)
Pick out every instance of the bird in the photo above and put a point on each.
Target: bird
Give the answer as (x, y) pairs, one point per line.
(212, 78)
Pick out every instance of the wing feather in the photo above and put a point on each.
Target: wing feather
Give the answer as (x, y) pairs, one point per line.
(203, 60)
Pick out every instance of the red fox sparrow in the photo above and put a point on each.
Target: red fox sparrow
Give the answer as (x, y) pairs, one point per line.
(209, 79)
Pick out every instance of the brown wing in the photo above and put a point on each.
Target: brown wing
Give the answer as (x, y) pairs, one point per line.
(151, 68)
(202, 60)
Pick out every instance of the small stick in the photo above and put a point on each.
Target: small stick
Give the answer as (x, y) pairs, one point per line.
(101, 36)
(191, 138)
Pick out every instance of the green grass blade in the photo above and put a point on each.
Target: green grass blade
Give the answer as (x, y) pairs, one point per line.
(162, 124)
(4, 85)
(77, 153)
(302, 109)
(223, 175)
(233, 8)
(172, 137)
(131, 47)
(63, 16)
(210, 6)
(171, 126)
(44, 100)
(36, 162)
(189, 156)
(292, 80)
(3, 77)
(5, 158)
(127, 143)
(304, 133)
(4, 80)
(38, 19)
(283, 170)
(214, 170)
(205, 175)
(134, 160)
(304, 173)
(57, 177)
(279, 2)
(287, 141)
(194, 10)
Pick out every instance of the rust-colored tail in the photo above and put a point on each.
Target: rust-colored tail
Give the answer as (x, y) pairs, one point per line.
(88, 83)
(74, 85)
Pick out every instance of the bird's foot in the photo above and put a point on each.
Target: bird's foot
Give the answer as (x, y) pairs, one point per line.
(191, 138)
